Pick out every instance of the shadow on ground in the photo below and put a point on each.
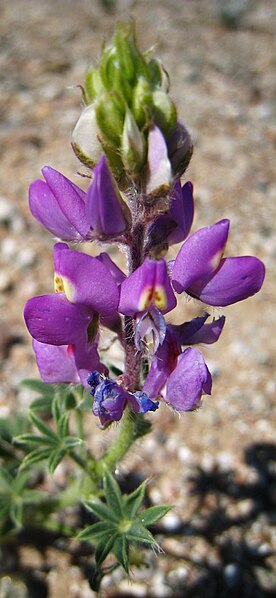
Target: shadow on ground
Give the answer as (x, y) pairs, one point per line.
(242, 566)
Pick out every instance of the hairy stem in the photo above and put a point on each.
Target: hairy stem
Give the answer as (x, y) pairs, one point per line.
(132, 356)
(124, 439)
(127, 427)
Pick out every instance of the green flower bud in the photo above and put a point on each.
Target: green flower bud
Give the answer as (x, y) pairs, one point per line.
(164, 112)
(110, 117)
(115, 164)
(131, 60)
(132, 146)
(85, 137)
(93, 83)
(108, 66)
(142, 102)
(155, 71)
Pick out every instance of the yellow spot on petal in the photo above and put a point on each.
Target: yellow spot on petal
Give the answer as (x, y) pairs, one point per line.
(58, 284)
(160, 298)
(145, 299)
(63, 285)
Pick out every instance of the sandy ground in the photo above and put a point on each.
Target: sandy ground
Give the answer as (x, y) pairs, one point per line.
(222, 530)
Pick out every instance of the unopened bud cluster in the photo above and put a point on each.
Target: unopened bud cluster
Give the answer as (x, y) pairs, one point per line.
(126, 96)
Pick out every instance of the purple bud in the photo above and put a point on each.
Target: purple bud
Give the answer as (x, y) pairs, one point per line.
(180, 149)
(60, 206)
(174, 226)
(107, 213)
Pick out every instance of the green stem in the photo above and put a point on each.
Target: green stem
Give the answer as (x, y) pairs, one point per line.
(125, 438)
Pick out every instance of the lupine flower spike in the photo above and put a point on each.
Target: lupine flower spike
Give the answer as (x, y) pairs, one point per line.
(135, 147)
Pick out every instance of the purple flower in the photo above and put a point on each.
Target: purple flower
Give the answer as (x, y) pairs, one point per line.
(110, 399)
(107, 213)
(174, 226)
(60, 206)
(148, 286)
(84, 288)
(67, 363)
(202, 272)
(181, 378)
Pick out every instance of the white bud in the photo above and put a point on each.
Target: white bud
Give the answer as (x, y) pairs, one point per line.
(85, 137)
(159, 172)
(132, 145)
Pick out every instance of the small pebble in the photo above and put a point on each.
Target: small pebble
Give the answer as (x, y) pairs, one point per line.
(231, 575)
(5, 281)
(171, 522)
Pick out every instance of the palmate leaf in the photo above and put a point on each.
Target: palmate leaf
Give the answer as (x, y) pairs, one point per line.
(121, 524)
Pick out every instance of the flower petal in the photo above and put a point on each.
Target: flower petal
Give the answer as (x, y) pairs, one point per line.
(196, 331)
(70, 199)
(159, 174)
(55, 364)
(200, 255)
(140, 402)
(104, 204)
(162, 365)
(188, 381)
(86, 280)
(182, 211)
(180, 148)
(87, 359)
(52, 319)
(147, 286)
(45, 208)
(116, 272)
(235, 279)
